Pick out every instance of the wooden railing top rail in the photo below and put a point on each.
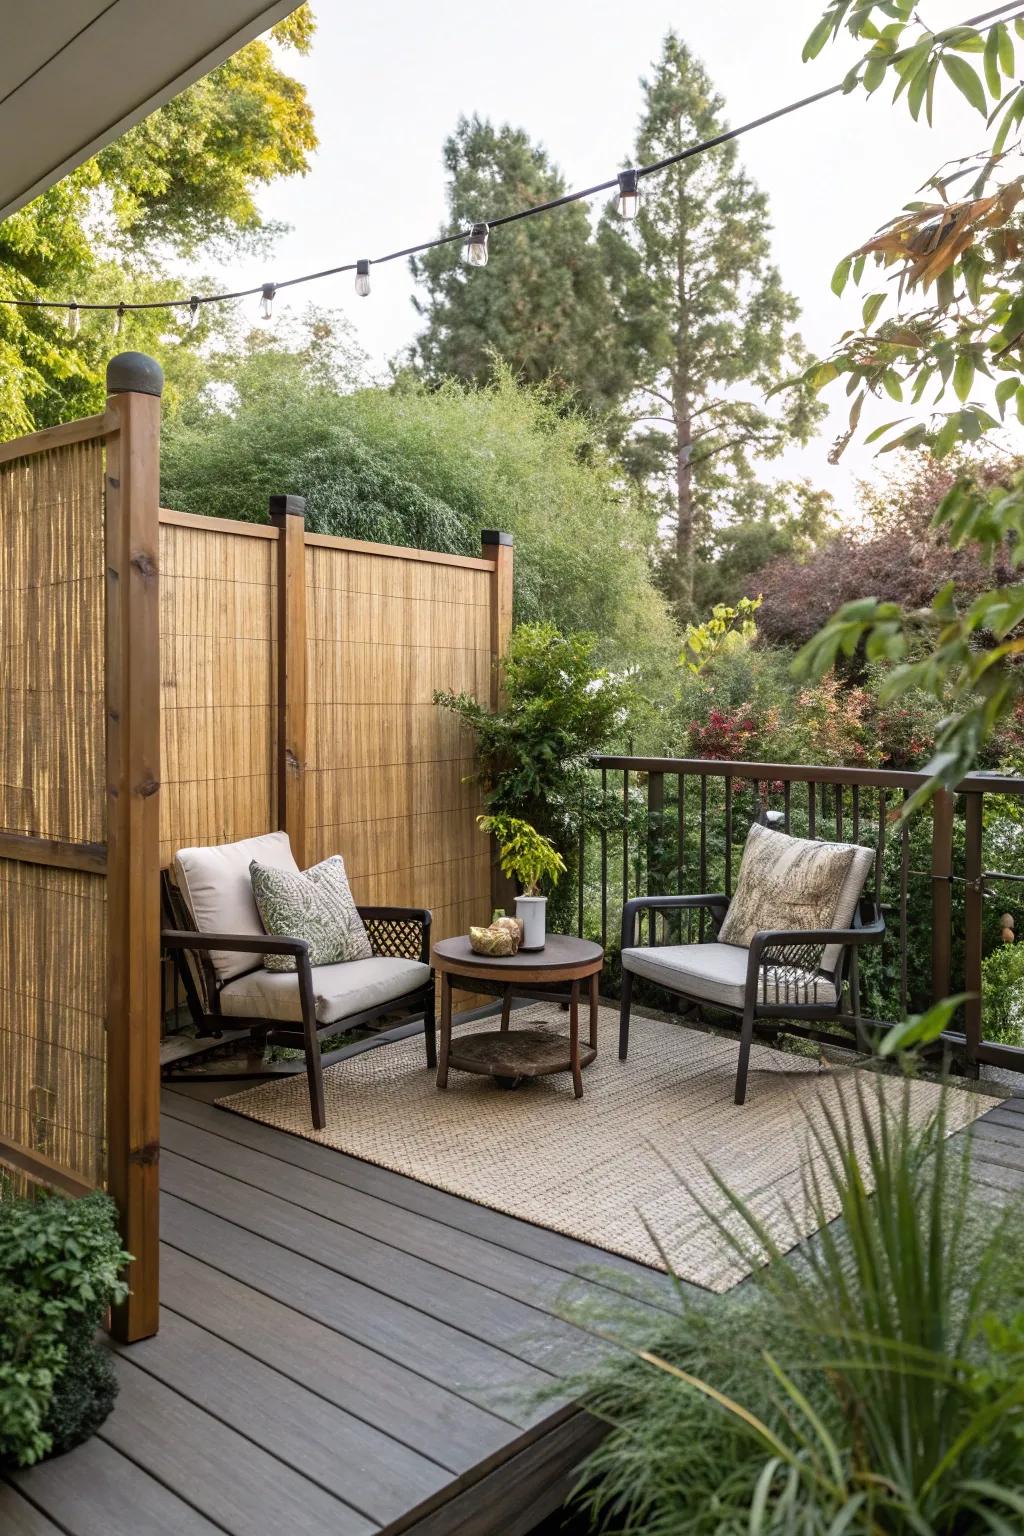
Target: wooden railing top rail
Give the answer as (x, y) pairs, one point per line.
(68, 432)
(802, 773)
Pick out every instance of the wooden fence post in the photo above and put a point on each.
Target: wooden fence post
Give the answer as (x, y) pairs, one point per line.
(134, 385)
(943, 807)
(288, 515)
(974, 899)
(498, 547)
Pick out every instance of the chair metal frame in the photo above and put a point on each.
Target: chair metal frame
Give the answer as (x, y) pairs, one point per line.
(396, 932)
(779, 961)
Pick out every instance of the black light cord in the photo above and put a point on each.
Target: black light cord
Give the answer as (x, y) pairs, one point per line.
(121, 307)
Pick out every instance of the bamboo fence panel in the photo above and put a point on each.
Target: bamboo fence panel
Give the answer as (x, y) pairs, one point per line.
(218, 612)
(52, 792)
(386, 770)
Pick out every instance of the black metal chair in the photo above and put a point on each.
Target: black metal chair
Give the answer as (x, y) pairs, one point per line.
(399, 933)
(779, 976)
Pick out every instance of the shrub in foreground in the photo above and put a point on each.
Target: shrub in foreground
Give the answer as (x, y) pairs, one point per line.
(60, 1266)
(869, 1383)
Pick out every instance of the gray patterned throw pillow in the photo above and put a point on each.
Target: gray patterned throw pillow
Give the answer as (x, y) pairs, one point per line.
(316, 905)
(793, 882)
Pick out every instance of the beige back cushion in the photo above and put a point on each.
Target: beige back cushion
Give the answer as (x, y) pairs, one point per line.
(216, 884)
(795, 882)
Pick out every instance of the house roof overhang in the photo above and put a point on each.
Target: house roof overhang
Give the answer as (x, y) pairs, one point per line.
(75, 74)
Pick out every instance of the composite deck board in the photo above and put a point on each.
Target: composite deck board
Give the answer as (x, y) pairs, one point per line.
(358, 1464)
(483, 1373)
(20, 1518)
(95, 1491)
(239, 1485)
(347, 1352)
(476, 1314)
(423, 1416)
(553, 1249)
(461, 1253)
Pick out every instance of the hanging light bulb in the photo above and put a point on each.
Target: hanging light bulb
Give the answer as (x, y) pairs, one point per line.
(267, 301)
(73, 318)
(119, 319)
(629, 194)
(193, 313)
(362, 277)
(476, 246)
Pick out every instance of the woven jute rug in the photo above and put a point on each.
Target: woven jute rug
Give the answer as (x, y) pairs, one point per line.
(628, 1160)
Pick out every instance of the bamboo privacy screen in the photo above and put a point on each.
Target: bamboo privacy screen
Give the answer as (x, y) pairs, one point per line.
(298, 674)
(79, 775)
(52, 764)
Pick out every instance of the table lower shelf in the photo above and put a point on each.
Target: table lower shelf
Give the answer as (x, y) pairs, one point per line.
(530, 1052)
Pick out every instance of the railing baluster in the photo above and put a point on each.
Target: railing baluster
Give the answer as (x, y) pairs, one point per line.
(883, 808)
(812, 807)
(655, 830)
(703, 847)
(579, 875)
(604, 858)
(786, 796)
(728, 836)
(625, 836)
(839, 813)
(855, 799)
(681, 849)
(973, 902)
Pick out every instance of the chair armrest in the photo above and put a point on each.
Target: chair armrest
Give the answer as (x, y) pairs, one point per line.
(243, 943)
(784, 940)
(420, 916)
(256, 944)
(663, 904)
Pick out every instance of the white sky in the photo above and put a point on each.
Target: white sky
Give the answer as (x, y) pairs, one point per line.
(388, 79)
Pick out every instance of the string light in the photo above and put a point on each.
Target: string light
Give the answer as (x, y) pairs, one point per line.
(362, 277)
(193, 312)
(629, 194)
(119, 319)
(625, 184)
(476, 246)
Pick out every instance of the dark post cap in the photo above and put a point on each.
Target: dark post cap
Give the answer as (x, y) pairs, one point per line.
(134, 373)
(287, 506)
(492, 536)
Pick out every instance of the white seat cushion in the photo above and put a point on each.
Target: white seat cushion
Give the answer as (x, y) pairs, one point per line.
(717, 973)
(215, 883)
(340, 990)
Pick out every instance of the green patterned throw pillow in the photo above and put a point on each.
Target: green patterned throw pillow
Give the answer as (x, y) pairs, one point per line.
(316, 905)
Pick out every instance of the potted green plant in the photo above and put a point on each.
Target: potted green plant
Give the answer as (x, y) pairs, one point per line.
(528, 858)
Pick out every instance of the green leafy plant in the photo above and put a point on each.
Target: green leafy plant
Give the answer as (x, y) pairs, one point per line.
(870, 1383)
(954, 317)
(728, 627)
(60, 1269)
(525, 855)
(1002, 991)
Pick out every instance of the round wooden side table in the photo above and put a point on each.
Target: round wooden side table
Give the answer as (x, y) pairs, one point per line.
(553, 973)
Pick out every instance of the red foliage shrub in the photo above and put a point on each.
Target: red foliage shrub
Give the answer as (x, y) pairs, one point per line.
(897, 556)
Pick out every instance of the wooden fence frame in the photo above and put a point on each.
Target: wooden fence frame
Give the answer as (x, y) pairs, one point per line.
(130, 857)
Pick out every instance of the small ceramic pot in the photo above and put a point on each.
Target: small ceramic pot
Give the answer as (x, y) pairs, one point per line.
(532, 913)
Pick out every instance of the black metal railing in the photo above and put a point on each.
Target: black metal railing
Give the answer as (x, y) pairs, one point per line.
(666, 825)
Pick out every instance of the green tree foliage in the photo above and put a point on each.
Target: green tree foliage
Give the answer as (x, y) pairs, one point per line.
(543, 303)
(952, 321)
(767, 523)
(186, 176)
(704, 313)
(429, 468)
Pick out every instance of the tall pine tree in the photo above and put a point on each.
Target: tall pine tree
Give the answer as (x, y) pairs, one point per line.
(543, 303)
(709, 323)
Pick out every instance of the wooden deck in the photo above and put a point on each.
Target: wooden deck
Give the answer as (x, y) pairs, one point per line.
(344, 1351)
(341, 1350)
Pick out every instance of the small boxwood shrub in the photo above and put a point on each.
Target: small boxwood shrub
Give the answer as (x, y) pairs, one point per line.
(60, 1268)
